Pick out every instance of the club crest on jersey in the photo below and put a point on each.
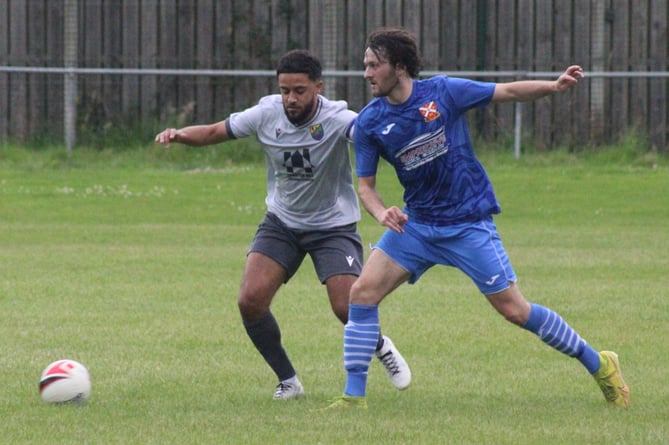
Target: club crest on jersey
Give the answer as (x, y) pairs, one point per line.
(317, 131)
(429, 111)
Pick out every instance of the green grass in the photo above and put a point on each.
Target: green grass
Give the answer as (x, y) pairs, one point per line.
(130, 263)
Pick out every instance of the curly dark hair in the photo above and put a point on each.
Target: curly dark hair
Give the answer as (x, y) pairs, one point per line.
(398, 46)
(300, 61)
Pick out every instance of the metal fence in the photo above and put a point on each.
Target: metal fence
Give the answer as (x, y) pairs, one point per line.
(70, 81)
(120, 61)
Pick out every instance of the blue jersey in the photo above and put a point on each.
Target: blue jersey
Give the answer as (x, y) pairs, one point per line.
(426, 139)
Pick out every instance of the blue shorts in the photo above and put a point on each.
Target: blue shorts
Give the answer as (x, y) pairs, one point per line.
(474, 248)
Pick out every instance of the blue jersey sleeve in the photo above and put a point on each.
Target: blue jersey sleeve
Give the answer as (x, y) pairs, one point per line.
(465, 94)
(366, 152)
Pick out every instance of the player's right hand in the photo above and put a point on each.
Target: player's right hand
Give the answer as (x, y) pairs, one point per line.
(166, 136)
(394, 219)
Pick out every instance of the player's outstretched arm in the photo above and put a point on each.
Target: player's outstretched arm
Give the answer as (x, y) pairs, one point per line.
(195, 135)
(526, 90)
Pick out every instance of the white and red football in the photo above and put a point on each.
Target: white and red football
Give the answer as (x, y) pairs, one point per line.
(65, 381)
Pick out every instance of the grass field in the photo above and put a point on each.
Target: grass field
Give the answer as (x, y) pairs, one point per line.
(133, 268)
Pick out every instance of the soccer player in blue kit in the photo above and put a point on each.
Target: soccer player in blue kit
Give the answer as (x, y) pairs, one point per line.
(419, 127)
(312, 208)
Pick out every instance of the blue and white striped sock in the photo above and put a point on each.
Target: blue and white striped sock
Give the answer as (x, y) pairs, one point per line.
(556, 333)
(361, 334)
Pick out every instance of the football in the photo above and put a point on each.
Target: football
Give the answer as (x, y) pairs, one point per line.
(65, 381)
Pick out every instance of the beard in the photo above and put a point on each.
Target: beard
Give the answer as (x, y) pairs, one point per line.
(298, 117)
(385, 86)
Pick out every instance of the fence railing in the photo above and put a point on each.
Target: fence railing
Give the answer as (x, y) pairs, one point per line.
(623, 44)
(69, 99)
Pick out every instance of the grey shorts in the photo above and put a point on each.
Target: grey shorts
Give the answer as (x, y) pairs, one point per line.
(336, 251)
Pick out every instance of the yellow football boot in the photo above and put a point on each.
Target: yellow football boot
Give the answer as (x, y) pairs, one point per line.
(344, 402)
(610, 379)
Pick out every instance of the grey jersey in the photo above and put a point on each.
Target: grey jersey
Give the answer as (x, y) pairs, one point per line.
(309, 179)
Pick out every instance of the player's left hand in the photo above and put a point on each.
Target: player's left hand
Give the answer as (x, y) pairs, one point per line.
(569, 78)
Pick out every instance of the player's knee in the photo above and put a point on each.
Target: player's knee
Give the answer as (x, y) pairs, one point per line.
(511, 304)
(515, 318)
(251, 307)
(341, 311)
(513, 313)
(356, 290)
(361, 294)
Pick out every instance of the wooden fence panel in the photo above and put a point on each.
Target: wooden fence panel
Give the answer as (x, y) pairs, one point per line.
(504, 39)
(619, 58)
(315, 20)
(561, 104)
(91, 112)
(431, 32)
(453, 35)
(261, 56)
(657, 125)
(580, 123)
(393, 14)
(411, 18)
(490, 51)
(18, 88)
(35, 87)
(449, 38)
(4, 78)
(242, 53)
(168, 57)
(638, 61)
(340, 30)
(204, 49)
(225, 59)
(130, 58)
(281, 12)
(493, 49)
(504, 46)
(467, 37)
(299, 26)
(112, 52)
(525, 56)
(54, 57)
(354, 53)
(374, 16)
(543, 62)
(148, 58)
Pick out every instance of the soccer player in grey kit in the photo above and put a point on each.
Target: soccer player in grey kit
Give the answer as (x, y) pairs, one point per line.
(312, 207)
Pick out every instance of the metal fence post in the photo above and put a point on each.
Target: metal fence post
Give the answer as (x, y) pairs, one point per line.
(70, 77)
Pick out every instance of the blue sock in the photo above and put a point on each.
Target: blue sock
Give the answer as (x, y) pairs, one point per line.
(361, 334)
(556, 333)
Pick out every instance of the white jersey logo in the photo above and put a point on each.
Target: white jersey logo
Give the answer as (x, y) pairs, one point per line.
(492, 280)
(388, 128)
(349, 260)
